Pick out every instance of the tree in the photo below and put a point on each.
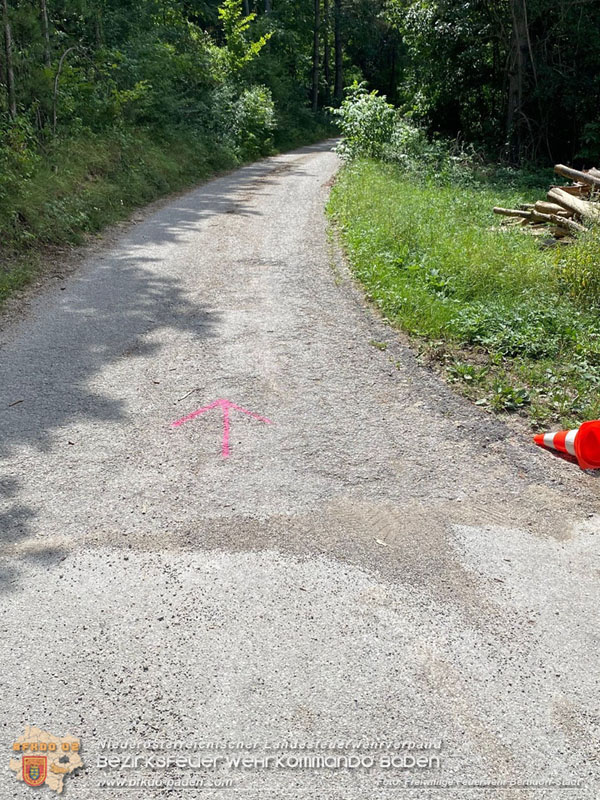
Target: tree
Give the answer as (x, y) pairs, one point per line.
(8, 63)
(339, 53)
(326, 52)
(518, 60)
(45, 31)
(316, 57)
(518, 78)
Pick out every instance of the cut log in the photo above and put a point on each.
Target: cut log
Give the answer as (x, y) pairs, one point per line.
(566, 212)
(568, 224)
(550, 208)
(577, 191)
(537, 216)
(582, 207)
(576, 175)
(511, 212)
(559, 222)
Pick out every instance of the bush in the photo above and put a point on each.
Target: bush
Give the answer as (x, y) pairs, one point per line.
(372, 128)
(19, 159)
(254, 122)
(367, 122)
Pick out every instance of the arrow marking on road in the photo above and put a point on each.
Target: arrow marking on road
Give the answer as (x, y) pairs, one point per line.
(226, 405)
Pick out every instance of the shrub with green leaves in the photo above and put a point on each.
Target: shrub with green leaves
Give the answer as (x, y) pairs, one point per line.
(516, 329)
(254, 122)
(367, 121)
(412, 148)
(372, 128)
(19, 159)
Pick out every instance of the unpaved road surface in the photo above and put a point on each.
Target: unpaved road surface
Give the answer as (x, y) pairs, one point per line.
(381, 562)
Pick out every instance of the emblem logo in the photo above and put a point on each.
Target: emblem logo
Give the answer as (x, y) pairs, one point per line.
(35, 770)
(42, 759)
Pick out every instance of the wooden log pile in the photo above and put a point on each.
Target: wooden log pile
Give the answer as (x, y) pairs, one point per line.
(567, 210)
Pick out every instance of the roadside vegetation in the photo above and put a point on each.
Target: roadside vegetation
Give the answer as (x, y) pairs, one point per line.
(84, 184)
(107, 106)
(515, 326)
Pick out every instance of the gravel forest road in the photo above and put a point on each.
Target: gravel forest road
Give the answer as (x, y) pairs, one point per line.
(383, 562)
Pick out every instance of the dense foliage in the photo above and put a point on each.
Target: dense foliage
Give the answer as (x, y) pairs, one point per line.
(519, 76)
(106, 105)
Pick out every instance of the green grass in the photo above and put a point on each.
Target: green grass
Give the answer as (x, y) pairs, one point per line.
(15, 273)
(493, 309)
(82, 184)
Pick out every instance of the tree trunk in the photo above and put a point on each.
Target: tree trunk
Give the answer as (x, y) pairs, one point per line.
(268, 6)
(45, 31)
(98, 28)
(10, 75)
(315, 71)
(392, 85)
(56, 80)
(338, 90)
(513, 212)
(326, 52)
(246, 8)
(519, 56)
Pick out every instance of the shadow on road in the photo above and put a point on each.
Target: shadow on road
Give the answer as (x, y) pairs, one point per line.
(49, 368)
(231, 194)
(112, 311)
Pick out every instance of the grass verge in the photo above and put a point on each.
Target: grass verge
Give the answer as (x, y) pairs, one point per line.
(509, 323)
(82, 184)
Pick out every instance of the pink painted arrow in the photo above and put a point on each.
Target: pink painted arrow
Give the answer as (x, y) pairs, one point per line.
(226, 405)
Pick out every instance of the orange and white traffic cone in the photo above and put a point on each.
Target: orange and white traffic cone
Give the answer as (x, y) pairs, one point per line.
(583, 443)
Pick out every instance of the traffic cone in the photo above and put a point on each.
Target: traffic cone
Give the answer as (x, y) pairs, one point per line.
(583, 443)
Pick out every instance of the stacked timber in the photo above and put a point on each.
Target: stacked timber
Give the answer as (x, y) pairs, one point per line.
(567, 210)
